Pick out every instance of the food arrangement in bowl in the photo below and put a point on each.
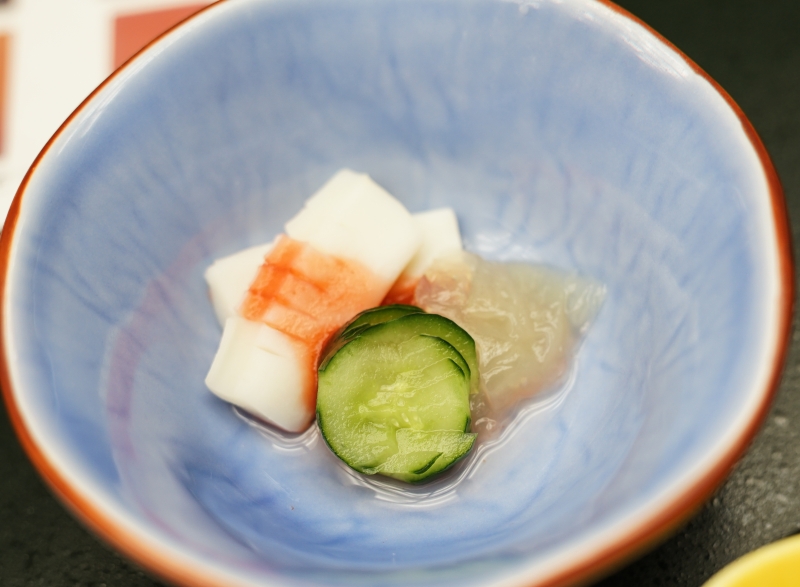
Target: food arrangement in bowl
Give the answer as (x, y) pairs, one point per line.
(559, 134)
(310, 327)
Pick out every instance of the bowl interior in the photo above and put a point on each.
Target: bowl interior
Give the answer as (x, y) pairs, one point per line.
(560, 132)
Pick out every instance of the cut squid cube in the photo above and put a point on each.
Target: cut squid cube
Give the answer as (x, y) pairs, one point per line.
(440, 237)
(343, 252)
(352, 217)
(229, 277)
(308, 294)
(261, 370)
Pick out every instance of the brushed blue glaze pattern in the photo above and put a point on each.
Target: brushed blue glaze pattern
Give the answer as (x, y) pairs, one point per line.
(560, 132)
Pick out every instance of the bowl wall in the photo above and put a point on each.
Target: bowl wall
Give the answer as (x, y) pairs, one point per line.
(560, 132)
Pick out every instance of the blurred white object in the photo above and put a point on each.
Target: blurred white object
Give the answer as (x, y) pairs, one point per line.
(60, 51)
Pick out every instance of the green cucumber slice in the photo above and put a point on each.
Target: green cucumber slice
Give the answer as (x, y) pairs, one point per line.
(405, 464)
(446, 329)
(377, 315)
(410, 319)
(450, 444)
(395, 401)
(362, 322)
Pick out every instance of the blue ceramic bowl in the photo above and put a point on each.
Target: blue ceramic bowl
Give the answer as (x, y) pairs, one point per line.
(561, 131)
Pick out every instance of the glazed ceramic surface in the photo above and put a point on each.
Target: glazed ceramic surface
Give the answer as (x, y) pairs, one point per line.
(561, 132)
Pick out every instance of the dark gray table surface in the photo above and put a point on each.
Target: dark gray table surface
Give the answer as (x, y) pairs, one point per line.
(752, 48)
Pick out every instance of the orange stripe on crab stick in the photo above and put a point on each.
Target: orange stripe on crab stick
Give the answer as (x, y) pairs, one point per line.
(308, 294)
(269, 276)
(298, 292)
(322, 269)
(295, 323)
(402, 292)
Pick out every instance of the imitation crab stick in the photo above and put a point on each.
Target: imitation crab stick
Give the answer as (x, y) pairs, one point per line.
(440, 237)
(341, 255)
(230, 277)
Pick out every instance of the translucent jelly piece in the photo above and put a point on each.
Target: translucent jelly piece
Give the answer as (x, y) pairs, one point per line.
(526, 320)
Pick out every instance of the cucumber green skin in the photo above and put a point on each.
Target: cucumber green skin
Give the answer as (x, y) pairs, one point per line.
(376, 316)
(363, 423)
(446, 329)
(412, 317)
(452, 445)
(362, 322)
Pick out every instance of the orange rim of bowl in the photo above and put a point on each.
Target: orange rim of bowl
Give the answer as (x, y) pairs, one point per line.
(642, 537)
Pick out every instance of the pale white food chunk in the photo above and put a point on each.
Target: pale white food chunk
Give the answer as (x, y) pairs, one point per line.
(259, 369)
(229, 278)
(440, 236)
(352, 217)
(263, 369)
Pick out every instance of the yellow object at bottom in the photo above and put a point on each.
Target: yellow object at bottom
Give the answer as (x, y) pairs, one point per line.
(775, 565)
